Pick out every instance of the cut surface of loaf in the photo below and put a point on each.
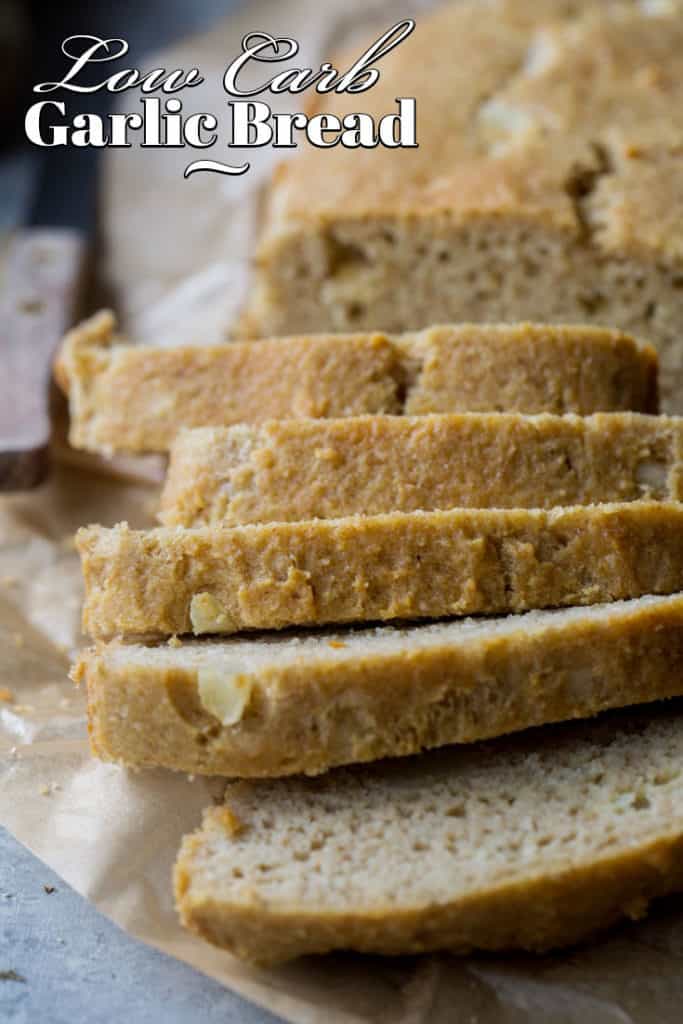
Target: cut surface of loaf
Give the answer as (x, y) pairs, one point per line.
(402, 565)
(279, 705)
(136, 398)
(309, 469)
(532, 842)
(554, 194)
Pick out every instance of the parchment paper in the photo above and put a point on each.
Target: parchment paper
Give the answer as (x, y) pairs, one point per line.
(175, 257)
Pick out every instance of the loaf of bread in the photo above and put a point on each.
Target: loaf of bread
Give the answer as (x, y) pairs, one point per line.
(546, 183)
(308, 469)
(531, 842)
(402, 565)
(280, 705)
(136, 398)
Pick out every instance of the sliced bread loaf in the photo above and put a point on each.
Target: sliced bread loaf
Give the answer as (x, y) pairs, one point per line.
(534, 842)
(136, 398)
(535, 202)
(402, 565)
(308, 469)
(279, 704)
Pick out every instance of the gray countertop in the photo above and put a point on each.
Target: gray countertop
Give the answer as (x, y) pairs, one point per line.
(62, 962)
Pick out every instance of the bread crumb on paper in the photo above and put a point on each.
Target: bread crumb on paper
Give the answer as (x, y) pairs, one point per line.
(49, 788)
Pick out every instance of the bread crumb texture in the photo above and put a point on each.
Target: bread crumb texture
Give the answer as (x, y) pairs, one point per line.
(532, 843)
(547, 183)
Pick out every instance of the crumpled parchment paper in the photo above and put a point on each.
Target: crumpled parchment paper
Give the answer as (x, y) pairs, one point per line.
(175, 259)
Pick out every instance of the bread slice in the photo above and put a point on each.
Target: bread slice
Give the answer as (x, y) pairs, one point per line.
(136, 398)
(281, 704)
(402, 565)
(308, 469)
(534, 203)
(532, 842)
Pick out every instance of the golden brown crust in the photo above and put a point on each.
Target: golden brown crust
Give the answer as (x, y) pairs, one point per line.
(314, 714)
(308, 469)
(83, 352)
(136, 398)
(559, 909)
(395, 566)
(526, 367)
(512, 90)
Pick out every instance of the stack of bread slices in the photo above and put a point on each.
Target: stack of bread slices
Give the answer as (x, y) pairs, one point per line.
(340, 507)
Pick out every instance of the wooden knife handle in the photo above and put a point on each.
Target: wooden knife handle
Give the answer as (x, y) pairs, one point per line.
(39, 294)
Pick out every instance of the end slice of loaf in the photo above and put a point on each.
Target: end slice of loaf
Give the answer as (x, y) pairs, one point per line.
(309, 469)
(403, 565)
(529, 843)
(531, 204)
(136, 398)
(281, 705)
